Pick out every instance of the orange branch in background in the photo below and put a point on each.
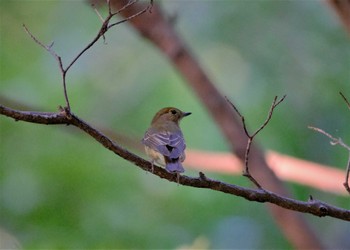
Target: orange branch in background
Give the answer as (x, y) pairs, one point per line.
(287, 168)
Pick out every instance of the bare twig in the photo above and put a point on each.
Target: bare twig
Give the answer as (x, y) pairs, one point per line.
(313, 206)
(334, 141)
(337, 141)
(274, 104)
(121, 9)
(47, 47)
(104, 28)
(345, 99)
(98, 13)
(58, 59)
(149, 7)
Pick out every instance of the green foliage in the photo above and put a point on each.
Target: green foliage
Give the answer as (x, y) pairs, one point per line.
(60, 189)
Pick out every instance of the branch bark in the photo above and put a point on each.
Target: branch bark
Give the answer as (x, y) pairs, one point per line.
(311, 206)
(287, 168)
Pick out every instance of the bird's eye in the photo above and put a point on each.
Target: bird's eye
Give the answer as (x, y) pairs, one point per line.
(173, 111)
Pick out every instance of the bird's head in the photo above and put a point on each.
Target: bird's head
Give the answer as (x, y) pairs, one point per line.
(169, 114)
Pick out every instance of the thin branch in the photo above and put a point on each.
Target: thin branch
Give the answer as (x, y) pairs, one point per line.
(98, 13)
(314, 207)
(345, 99)
(121, 9)
(337, 141)
(58, 59)
(274, 104)
(246, 172)
(148, 8)
(46, 47)
(241, 116)
(334, 141)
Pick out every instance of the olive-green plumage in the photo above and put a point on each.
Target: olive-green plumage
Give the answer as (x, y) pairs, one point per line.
(164, 142)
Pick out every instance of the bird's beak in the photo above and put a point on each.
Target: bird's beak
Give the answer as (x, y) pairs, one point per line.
(186, 114)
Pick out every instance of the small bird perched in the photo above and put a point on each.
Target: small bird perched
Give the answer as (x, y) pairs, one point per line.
(164, 142)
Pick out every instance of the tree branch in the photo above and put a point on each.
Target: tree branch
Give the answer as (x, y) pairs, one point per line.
(287, 168)
(314, 207)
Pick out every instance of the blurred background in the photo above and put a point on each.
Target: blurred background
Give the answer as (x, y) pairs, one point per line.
(61, 189)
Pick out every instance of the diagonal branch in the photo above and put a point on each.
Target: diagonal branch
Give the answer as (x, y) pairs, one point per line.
(311, 206)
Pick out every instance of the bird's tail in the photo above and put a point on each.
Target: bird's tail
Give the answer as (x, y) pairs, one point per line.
(174, 167)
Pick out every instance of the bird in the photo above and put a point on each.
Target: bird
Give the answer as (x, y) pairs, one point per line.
(164, 142)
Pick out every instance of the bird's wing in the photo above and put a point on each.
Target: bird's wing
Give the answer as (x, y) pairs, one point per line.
(170, 144)
(177, 142)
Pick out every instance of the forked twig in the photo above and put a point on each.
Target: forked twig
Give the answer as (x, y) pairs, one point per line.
(337, 141)
(148, 8)
(274, 104)
(104, 28)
